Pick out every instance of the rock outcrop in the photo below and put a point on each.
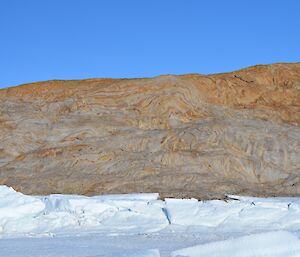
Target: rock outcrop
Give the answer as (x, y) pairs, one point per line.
(193, 135)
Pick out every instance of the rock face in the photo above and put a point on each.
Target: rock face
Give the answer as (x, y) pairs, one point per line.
(193, 135)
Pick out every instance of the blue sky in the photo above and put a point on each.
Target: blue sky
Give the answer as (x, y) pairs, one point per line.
(74, 39)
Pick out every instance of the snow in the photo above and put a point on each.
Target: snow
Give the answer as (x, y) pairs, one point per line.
(93, 244)
(143, 225)
(136, 253)
(271, 244)
(15, 205)
(243, 213)
(16, 209)
(189, 212)
(42, 215)
(141, 213)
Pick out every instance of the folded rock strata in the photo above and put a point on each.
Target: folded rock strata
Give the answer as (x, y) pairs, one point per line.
(201, 136)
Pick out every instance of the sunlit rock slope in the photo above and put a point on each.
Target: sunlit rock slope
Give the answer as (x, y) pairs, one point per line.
(192, 135)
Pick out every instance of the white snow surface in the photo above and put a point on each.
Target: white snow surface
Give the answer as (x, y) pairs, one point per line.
(271, 244)
(41, 215)
(241, 214)
(142, 225)
(141, 213)
(136, 253)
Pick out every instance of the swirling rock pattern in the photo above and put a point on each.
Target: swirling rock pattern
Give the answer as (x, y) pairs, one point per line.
(193, 135)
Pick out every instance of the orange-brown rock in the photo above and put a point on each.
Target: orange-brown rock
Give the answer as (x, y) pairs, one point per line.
(193, 135)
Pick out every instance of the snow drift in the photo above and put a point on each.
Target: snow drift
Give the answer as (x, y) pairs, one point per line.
(271, 244)
(21, 214)
(141, 213)
(238, 214)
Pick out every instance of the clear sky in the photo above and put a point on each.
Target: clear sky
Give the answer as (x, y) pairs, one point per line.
(74, 39)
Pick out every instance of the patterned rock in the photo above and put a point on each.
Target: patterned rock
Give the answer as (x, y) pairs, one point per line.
(193, 135)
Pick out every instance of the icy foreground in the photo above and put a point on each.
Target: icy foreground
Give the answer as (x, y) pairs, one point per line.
(272, 244)
(243, 222)
(22, 214)
(141, 213)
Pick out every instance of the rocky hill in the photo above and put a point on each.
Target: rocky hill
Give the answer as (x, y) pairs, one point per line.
(192, 135)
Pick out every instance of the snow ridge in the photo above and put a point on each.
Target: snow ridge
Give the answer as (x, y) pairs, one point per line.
(22, 215)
